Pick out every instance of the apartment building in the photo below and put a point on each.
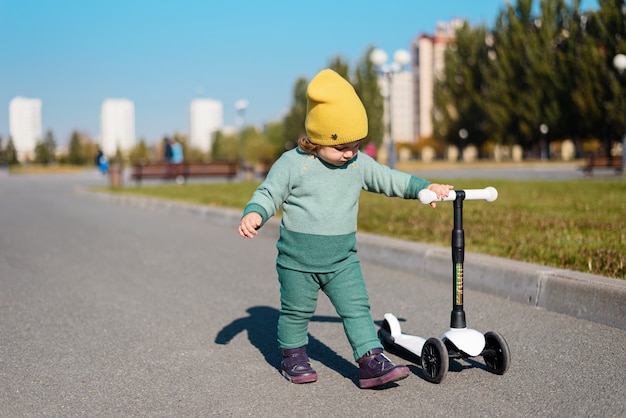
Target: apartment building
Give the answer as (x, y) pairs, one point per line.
(25, 126)
(117, 126)
(206, 116)
(428, 52)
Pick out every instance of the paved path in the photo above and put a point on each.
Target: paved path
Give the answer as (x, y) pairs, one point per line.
(114, 310)
(526, 171)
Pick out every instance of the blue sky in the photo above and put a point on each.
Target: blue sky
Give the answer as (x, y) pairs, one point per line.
(161, 54)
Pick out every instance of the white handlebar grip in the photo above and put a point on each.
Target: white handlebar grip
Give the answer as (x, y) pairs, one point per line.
(488, 193)
(427, 196)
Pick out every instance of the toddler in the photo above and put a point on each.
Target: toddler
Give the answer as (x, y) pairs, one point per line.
(318, 185)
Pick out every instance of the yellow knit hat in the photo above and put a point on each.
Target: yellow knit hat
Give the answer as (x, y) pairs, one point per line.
(335, 114)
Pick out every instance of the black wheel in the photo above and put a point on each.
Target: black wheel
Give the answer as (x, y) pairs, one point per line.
(434, 360)
(384, 333)
(496, 354)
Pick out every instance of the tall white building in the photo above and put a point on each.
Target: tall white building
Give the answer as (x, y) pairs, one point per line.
(206, 116)
(117, 126)
(402, 107)
(398, 106)
(428, 63)
(25, 126)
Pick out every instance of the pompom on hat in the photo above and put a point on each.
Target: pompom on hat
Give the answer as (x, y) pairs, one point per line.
(335, 114)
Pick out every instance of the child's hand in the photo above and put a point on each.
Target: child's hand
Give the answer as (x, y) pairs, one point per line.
(441, 190)
(249, 224)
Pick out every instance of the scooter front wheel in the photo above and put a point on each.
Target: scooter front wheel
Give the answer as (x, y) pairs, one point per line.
(434, 360)
(496, 353)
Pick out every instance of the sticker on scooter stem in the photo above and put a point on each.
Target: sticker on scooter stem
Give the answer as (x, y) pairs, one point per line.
(458, 284)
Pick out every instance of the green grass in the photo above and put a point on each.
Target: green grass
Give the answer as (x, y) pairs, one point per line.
(577, 225)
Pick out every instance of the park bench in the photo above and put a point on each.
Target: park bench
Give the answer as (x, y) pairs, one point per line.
(264, 167)
(594, 161)
(181, 172)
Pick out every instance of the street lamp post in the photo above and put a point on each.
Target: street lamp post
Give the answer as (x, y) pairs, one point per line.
(463, 134)
(378, 57)
(543, 128)
(619, 62)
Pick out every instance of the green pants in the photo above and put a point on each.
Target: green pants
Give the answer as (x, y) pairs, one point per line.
(345, 289)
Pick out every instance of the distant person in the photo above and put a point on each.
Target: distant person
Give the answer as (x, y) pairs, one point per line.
(102, 162)
(370, 149)
(318, 185)
(177, 152)
(167, 152)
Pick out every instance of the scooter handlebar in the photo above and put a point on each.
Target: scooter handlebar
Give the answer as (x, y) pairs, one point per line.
(488, 193)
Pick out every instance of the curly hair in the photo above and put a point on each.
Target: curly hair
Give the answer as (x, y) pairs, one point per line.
(306, 146)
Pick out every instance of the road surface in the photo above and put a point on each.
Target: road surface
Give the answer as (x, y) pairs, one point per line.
(116, 310)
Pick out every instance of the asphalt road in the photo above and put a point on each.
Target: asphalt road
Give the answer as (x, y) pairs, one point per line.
(118, 310)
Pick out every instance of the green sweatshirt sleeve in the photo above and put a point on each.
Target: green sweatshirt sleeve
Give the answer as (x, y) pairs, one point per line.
(380, 178)
(271, 193)
(256, 208)
(415, 185)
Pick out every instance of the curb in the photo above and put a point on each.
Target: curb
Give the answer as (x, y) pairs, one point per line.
(586, 296)
(594, 298)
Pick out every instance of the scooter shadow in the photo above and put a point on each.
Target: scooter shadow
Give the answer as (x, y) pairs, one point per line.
(260, 325)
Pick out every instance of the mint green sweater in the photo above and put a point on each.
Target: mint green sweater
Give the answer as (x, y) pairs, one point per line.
(320, 204)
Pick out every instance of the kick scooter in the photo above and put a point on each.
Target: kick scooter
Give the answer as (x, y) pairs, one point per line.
(459, 342)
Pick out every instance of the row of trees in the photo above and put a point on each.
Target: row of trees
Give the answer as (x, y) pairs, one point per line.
(535, 78)
(81, 150)
(45, 151)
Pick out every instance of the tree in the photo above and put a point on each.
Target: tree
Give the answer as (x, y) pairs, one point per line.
(45, 150)
(275, 134)
(42, 155)
(10, 153)
(81, 150)
(551, 31)
(552, 68)
(256, 147)
(340, 66)
(513, 94)
(139, 152)
(75, 152)
(368, 89)
(226, 147)
(503, 85)
(607, 28)
(460, 115)
(294, 121)
(581, 100)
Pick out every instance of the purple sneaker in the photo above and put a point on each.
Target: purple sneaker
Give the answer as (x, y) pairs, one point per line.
(296, 367)
(375, 370)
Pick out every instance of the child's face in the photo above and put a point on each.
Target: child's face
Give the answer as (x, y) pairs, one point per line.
(338, 155)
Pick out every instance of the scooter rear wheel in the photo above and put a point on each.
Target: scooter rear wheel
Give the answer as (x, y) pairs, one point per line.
(497, 355)
(384, 334)
(434, 360)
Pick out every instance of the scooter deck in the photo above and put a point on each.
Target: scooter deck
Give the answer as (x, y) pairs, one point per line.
(410, 342)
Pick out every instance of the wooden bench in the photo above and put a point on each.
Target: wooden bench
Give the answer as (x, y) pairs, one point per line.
(594, 161)
(264, 167)
(181, 172)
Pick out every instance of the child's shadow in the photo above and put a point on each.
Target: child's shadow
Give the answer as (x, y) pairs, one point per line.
(261, 327)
